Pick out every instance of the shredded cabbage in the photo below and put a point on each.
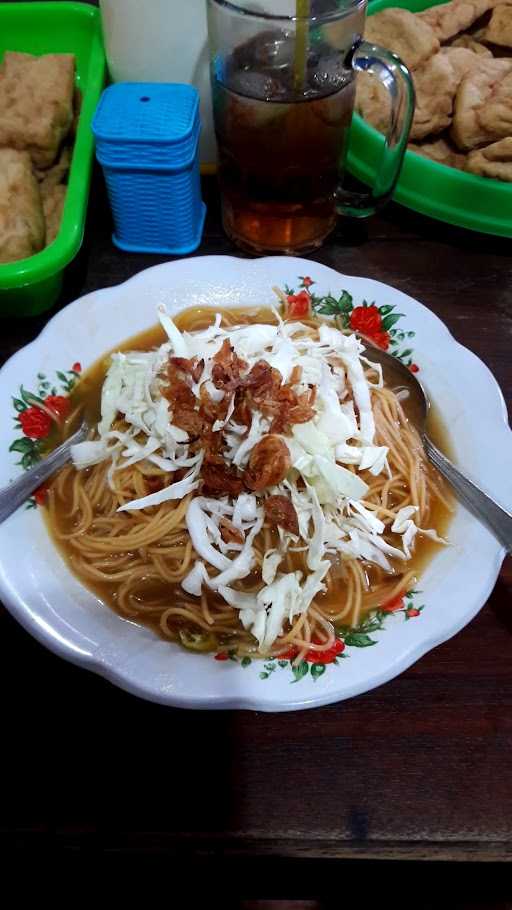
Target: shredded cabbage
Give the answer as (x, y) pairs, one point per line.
(197, 528)
(242, 565)
(193, 582)
(85, 454)
(270, 565)
(329, 499)
(245, 509)
(177, 490)
(177, 340)
(280, 599)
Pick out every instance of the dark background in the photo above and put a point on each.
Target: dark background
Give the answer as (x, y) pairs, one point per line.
(404, 794)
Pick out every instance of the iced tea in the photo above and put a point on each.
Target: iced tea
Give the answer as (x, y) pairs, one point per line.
(280, 149)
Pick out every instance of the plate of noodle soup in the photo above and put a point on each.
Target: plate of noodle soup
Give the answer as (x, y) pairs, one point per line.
(252, 522)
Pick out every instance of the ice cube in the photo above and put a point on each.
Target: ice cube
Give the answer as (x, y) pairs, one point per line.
(268, 50)
(274, 50)
(257, 85)
(328, 75)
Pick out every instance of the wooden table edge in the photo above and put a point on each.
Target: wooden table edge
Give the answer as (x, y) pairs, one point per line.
(297, 847)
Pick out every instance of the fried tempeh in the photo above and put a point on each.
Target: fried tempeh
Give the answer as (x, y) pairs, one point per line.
(435, 84)
(403, 33)
(483, 106)
(441, 151)
(494, 160)
(499, 29)
(448, 19)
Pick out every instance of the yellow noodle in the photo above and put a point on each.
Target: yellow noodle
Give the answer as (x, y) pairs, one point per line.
(136, 560)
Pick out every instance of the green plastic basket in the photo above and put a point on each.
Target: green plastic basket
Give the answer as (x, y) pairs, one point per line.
(30, 286)
(433, 189)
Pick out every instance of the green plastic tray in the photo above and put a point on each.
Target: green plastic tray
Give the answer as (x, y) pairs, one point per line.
(30, 286)
(433, 189)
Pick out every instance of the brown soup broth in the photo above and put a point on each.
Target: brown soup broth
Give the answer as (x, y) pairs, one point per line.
(87, 395)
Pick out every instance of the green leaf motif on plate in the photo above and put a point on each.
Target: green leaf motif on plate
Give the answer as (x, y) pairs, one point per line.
(389, 321)
(300, 671)
(26, 406)
(29, 398)
(19, 405)
(359, 640)
(21, 445)
(29, 459)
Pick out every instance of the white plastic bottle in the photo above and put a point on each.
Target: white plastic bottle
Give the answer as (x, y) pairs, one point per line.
(161, 41)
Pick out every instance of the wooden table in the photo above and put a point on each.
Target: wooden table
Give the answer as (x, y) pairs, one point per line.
(416, 770)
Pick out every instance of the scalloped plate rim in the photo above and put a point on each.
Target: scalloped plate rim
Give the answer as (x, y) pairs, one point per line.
(264, 699)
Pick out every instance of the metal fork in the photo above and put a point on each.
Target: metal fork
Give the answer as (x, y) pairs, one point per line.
(19, 490)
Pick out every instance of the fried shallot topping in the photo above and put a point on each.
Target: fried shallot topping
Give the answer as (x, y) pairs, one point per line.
(227, 368)
(259, 389)
(229, 533)
(269, 463)
(219, 480)
(279, 510)
(265, 392)
(192, 366)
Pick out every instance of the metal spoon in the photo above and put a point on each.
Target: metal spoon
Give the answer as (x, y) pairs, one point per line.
(479, 503)
(19, 490)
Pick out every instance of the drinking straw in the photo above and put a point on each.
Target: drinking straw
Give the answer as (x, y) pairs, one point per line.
(302, 11)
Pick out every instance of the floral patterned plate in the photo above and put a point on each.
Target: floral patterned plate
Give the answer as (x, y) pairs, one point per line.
(51, 603)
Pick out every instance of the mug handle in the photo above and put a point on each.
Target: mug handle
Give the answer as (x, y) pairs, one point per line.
(396, 78)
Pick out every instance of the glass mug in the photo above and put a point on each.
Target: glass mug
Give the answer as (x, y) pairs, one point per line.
(283, 91)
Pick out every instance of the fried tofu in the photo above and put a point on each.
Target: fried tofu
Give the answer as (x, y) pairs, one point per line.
(494, 160)
(22, 226)
(53, 203)
(53, 192)
(448, 19)
(483, 106)
(499, 30)
(441, 151)
(58, 172)
(36, 103)
(405, 34)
